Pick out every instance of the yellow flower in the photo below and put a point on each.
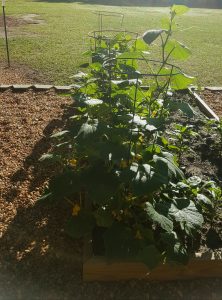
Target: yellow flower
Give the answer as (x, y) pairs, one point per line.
(75, 210)
(114, 213)
(138, 235)
(141, 139)
(154, 113)
(126, 212)
(123, 164)
(137, 157)
(73, 162)
(118, 218)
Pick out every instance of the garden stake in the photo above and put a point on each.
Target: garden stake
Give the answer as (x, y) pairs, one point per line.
(5, 27)
(133, 113)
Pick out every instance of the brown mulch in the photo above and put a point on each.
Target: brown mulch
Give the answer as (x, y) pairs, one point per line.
(32, 241)
(214, 100)
(37, 260)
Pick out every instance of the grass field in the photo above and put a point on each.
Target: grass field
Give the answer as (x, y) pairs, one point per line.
(54, 47)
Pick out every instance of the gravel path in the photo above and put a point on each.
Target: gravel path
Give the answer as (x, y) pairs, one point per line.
(37, 260)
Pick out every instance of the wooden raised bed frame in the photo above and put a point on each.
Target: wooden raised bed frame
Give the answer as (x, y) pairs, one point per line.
(202, 265)
(203, 106)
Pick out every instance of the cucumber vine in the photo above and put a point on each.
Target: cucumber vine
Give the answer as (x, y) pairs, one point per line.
(116, 171)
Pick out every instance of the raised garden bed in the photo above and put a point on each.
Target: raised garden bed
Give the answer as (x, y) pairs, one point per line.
(136, 161)
(31, 238)
(205, 265)
(136, 164)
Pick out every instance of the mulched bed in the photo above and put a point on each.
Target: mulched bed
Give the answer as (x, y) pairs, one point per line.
(38, 261)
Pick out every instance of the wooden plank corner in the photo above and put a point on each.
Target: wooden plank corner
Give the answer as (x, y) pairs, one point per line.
(214, 88)
(203, 106)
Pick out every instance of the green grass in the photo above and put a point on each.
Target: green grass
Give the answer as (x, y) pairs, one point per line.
(55, 47)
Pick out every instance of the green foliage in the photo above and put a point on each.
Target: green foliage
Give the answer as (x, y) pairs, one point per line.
(150, 256)
(81, 225)
(181, 135)
(214, 128)
(114, 152)
(164, 222)
(179, 9)
(151, 35)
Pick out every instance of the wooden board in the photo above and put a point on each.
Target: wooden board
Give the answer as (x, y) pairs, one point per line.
(203, 106)
(204, 266)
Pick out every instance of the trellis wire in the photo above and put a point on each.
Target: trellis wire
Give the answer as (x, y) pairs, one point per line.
(108, 36)
(102, 14)
(108, 66)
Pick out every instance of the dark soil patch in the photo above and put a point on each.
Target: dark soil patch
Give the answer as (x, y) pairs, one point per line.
(20, 21)
(12, 22)
(202, 157)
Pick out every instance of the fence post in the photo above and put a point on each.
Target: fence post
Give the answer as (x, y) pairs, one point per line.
(6, 36)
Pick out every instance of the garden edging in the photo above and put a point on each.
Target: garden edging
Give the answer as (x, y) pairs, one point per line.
(37, 87)
(204, 265)
(68, 88)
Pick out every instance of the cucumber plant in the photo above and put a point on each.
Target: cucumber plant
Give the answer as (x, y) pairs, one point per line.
(116, 172)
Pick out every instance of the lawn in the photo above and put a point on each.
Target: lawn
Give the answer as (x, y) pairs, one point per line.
(54, 47)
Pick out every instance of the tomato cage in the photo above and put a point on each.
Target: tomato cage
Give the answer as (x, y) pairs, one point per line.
(146, 83)
(112, 40)
(102, 15)
(143, 72)
(109, 42)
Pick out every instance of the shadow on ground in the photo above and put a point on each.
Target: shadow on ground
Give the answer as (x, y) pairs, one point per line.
(37, 258)
(155, 3)
(39, 172)
(39, 262)
(112, 2)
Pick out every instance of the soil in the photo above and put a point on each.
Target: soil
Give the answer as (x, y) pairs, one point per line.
(214, 100)
(20, 21)
(20, 74)
(203, 157)
(37, 260)
(13, 22)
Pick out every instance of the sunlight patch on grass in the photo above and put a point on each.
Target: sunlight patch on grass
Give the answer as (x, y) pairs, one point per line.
(55, 46)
